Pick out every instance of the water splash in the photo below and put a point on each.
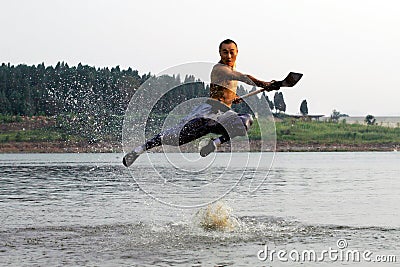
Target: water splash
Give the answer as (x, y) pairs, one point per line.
(217, 216)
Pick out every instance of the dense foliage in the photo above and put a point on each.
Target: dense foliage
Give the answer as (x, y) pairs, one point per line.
(86, 101)
(39, 90)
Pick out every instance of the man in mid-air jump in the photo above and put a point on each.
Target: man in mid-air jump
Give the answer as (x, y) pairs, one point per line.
(214, 116)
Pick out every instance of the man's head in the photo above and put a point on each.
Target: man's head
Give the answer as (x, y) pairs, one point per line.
(228, 51)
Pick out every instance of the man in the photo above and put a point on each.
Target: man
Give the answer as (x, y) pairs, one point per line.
(224, 80)
(224, 77)
(215, 116)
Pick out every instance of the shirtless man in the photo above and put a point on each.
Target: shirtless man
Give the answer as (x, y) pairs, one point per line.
(216, 115)
(224, 77)
(224, 80)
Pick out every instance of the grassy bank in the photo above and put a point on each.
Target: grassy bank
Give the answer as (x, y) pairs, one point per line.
(340, 133)
(41, 135)
(298, 135)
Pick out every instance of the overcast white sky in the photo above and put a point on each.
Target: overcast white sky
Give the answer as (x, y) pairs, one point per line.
(348, 50)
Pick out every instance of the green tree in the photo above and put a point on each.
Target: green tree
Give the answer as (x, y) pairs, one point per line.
(370, 120)
(336, 115)
(270, 103)
(279, 102)
(304, 108)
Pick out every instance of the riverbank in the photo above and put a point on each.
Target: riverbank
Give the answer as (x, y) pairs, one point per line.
(42, 135)
(115, 147)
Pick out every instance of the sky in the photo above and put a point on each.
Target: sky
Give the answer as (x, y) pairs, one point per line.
(348, 50)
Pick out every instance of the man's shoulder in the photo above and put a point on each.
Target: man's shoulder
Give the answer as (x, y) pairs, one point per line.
(220, 65)
(221, 68)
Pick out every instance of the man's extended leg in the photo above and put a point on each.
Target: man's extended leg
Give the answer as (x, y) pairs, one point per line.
(176, 136)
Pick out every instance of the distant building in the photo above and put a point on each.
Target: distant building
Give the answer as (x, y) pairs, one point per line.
(303, 117)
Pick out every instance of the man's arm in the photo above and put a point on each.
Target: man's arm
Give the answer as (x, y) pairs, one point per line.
(259, 83)
(225, 73)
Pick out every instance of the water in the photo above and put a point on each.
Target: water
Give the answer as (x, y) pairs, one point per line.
(87, 210)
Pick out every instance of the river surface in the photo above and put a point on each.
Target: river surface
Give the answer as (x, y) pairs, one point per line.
(88, 210)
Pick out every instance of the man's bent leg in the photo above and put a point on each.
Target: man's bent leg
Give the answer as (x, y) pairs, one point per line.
(236, 128)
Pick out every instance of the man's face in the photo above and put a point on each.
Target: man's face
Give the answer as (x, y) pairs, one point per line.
(228, 53)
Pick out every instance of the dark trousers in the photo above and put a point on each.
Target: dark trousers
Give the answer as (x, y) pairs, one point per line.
(227, 127)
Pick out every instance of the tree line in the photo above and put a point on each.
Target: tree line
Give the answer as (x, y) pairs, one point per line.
(48, 91)
(90, 101)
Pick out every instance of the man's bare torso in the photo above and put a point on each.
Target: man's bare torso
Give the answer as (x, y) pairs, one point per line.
(222, 87)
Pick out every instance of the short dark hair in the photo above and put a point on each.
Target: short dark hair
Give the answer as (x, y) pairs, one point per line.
(227, 41)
